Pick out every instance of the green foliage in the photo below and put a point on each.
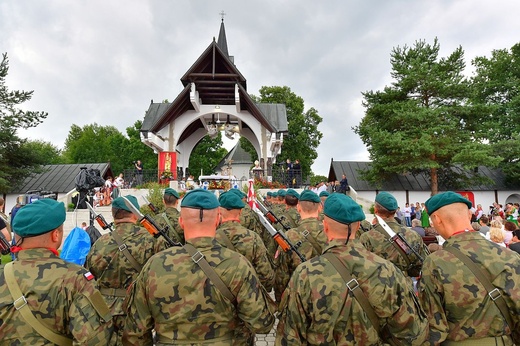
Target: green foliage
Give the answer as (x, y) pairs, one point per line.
(496, 93)
(16, 160)
(135, 150)
(206, 155)
(303, 136)
(315, 179)
(48, 153)
(155, 196)
(423, 122)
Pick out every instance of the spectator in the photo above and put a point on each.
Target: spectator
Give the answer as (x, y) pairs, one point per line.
(107, 191)
(297, 173)
(343, 185)
(484, 228)
(496, 236)
(290, 173)
(509, 227)
(515, 242)
(408, 215)
(138, 172)
(117, 186)
(416, 226)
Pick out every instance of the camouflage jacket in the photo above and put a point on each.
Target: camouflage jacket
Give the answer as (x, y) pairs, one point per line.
(318, 309)
(288, 261)
(59, 294)
(172, 214)
(249, 219)
(110, 266)
(457, 304)
(376, 241)
(175, 297)
(250, 245)
(291, 217)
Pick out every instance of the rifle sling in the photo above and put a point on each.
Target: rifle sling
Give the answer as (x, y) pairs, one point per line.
(307, 235)
(210, 272)
(353, 286)
(226, 240)
(170, 226)
(20, 304)
(123, 248)
(492, 291)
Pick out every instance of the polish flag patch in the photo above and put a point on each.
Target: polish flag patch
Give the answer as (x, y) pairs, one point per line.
(88, 276)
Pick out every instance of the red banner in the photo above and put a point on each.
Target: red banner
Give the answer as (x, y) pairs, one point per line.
(468, 195)
(167, 165)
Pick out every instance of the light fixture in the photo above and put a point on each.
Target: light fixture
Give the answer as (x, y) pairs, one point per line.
(212, 127)
(230, 129)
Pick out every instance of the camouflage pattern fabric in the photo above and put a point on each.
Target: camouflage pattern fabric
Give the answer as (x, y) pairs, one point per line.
(177, 234)
(58, 293)
(173, 296)
(457, 304)
(113, 270)
(249, 220)
(318, 309)
(250, 245)
(364, 227)
(376, 241)
(291, 217)
(288, 261)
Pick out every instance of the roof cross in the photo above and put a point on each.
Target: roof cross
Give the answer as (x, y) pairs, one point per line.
(222, 14)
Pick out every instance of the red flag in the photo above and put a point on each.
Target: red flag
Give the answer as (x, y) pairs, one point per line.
(251, 194)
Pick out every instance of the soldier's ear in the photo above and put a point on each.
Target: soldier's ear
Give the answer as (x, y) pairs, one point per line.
(181, 222)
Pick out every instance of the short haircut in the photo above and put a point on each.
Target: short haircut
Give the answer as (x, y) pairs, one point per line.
(510, 226)
(291, 200)
(416, 222)
(169, 199)
(308, 206)
(118, 213)
(484, 219)
(385, 213)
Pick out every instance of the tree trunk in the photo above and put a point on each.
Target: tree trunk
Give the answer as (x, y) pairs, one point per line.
(434, 181)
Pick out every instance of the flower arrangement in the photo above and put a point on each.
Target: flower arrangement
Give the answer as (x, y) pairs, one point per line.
(260, 183)
(166, 175)
(219, 185)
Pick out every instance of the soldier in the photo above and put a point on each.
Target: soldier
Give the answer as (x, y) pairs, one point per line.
(291, 217)
(117, 257)
(234, 236)
(309, 234)
(321, 307)
(200, 293)
(376, 239)
(470, 289)
(231, 234)
(170, 217)
(41, 294)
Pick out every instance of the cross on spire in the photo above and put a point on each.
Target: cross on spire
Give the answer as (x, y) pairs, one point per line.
(222, 14)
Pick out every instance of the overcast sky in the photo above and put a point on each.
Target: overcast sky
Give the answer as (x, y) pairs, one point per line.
(103, 61)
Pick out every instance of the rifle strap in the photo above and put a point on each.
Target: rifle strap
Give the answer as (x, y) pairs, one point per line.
(353, 286)
(210, 272)
(492, 291)
(20, 304)
(124, 249)
(226, 239)
(170, 226)
(307, 235)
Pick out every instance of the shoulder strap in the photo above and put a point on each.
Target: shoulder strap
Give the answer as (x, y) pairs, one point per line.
(212, 275)
(307, 235)
(493, 292)
(20, 304)
(123, 248)
(226, 239)
(353, 286)
(170, 225)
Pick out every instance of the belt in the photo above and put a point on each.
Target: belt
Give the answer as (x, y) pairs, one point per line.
(167, 341)
(504, 340)
(113, 292)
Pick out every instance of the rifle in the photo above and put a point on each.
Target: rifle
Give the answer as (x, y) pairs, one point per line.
(100, 219)
(273, 219)
(279, 236)
(148, 223)
(399, 240)
(5, 247)
(150, 205)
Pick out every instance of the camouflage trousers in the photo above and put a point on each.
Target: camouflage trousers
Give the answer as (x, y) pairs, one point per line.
(503, 340)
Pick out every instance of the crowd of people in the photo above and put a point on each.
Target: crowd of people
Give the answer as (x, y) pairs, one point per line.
(336, 277)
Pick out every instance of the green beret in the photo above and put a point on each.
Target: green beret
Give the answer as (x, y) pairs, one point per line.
(119, 203)
(269, 193)
(39, 217)
(200, 199)
(281, 193)
(308, 195)
(238, 192)
(292, 192)
(231, 200)
(274, 194)
(343, 209)
(324, 194)
(387, 201)
(442, 199)
(171, 192)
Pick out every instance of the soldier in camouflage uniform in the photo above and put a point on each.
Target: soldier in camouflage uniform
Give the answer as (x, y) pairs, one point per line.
(309, 234)
(170, 217)
(323, 197)
(184, 305)
(233, 235)
(318, 308)
(291, 217)
(115, 269)
(63, 296)
(376, 239)
(459, 308)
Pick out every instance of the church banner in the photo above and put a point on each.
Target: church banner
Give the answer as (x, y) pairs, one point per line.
(167, 165)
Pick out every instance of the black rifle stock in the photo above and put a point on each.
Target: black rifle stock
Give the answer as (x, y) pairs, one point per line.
(279, 236)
